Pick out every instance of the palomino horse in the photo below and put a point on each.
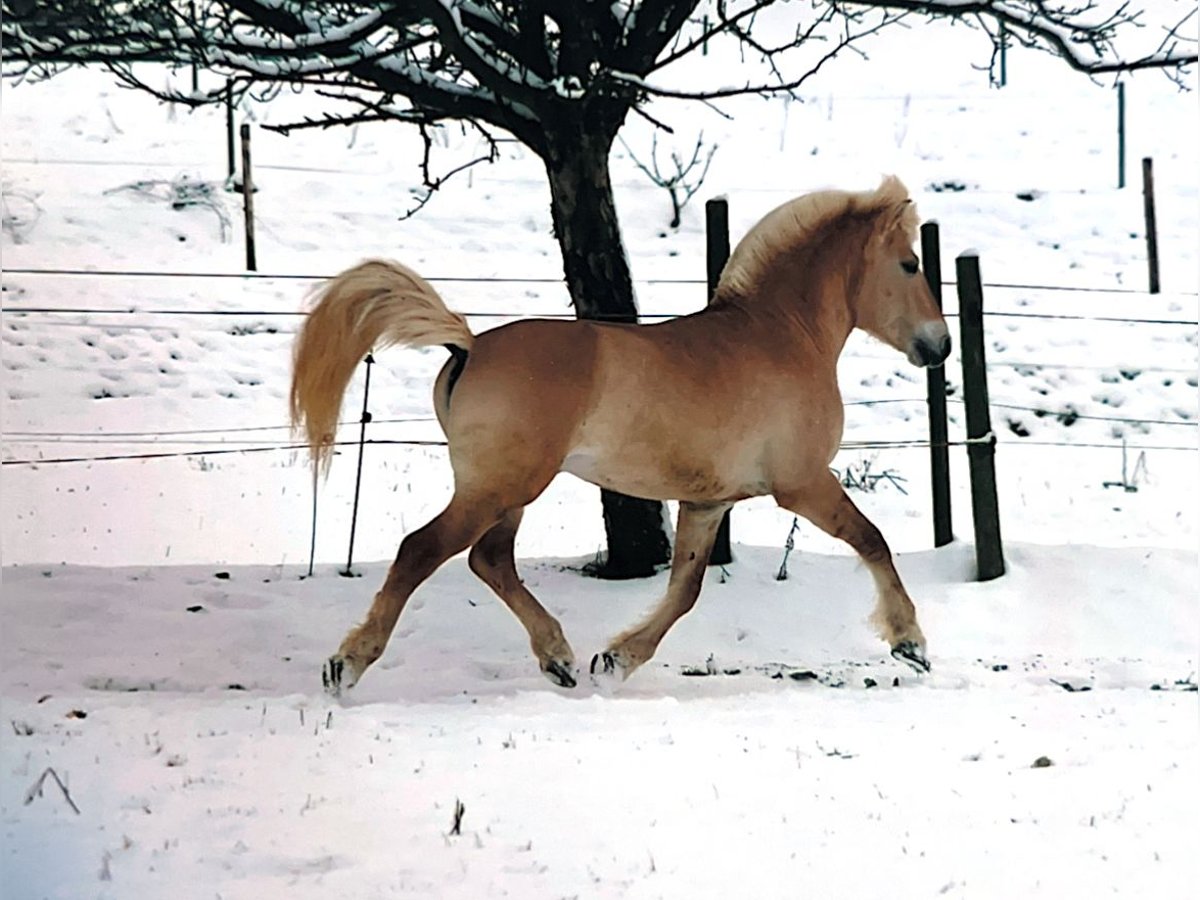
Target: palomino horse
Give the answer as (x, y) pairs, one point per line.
(738, 400)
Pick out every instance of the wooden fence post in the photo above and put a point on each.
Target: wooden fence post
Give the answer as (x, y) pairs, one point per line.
(935, 392)
(716, 230)
(1120, 134)
(192, 23)
(230, 153)
(981, 442)
(248, 199)
(1003, 55)
(1151, 223)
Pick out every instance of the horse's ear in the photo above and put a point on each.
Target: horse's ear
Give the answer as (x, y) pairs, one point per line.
(891, 190)
(896, 210)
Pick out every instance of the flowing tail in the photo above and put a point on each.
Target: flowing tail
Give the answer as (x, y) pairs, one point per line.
(375, 304)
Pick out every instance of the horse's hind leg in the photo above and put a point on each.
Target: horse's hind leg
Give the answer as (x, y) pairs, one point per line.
(459, 526)
(695, 533)
(826, 505)
(492, 559)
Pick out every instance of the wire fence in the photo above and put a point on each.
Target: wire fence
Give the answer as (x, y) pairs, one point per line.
(851, 445)
(546, 279)
(204, 442)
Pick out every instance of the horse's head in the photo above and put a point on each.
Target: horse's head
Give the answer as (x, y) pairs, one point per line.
(894, 302)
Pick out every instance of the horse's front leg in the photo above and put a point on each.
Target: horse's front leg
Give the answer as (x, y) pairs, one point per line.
(695, 533)
(826, 505)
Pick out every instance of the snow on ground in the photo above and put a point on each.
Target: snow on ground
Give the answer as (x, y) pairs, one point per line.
(161, 648)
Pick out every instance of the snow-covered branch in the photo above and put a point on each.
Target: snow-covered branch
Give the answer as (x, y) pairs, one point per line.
(1084, 33)
(525, 65)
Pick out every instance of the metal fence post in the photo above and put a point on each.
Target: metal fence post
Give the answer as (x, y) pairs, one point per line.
(362, 439)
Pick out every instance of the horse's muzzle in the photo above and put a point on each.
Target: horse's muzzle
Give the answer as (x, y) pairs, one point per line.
(930, 345)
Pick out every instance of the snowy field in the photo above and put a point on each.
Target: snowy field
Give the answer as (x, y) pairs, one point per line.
(161, 651)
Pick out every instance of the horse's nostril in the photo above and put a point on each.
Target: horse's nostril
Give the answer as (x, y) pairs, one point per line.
(932, 351)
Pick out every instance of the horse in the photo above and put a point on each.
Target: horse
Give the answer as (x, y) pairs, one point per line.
(737, 400)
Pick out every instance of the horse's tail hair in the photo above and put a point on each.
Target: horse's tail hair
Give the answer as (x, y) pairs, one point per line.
(375, 304)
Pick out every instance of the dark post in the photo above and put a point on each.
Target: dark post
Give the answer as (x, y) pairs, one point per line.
(312, 541)
(248, 199)
(935, 391)
(1003, 55)
(716, 230)
(1120, 134)
(981, 442)
(230, 154)
(362, 439)
(195, 71)
(1151, 225)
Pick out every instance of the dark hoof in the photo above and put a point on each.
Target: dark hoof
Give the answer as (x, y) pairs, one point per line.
(331, 675)
(604, 664)
(560, 674)
(913, 654)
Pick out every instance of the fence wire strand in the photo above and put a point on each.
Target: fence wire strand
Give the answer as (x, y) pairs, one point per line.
(549, 279)
(845, 446)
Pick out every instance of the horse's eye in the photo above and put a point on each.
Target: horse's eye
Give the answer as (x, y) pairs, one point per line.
(910, 266)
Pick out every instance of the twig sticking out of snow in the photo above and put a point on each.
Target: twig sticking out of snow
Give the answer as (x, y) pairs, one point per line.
(36, 790)
(788, 547)
(459, 812)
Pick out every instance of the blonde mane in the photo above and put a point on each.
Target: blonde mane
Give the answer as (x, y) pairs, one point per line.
(788, 228)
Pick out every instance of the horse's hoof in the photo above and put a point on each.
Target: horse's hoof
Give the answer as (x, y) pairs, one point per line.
(336, 675)
(611, 667)
(604, 664)
(561, 674)
(913, 654)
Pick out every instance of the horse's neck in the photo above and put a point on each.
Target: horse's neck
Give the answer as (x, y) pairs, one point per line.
(807, 302)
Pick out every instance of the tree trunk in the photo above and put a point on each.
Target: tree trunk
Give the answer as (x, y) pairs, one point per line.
(598, 277)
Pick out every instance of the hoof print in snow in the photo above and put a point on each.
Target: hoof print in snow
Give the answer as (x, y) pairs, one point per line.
(1181, 684)
(695, 671)
(1072, 688)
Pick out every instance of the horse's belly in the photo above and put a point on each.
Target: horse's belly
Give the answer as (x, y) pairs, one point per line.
(646, 473)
